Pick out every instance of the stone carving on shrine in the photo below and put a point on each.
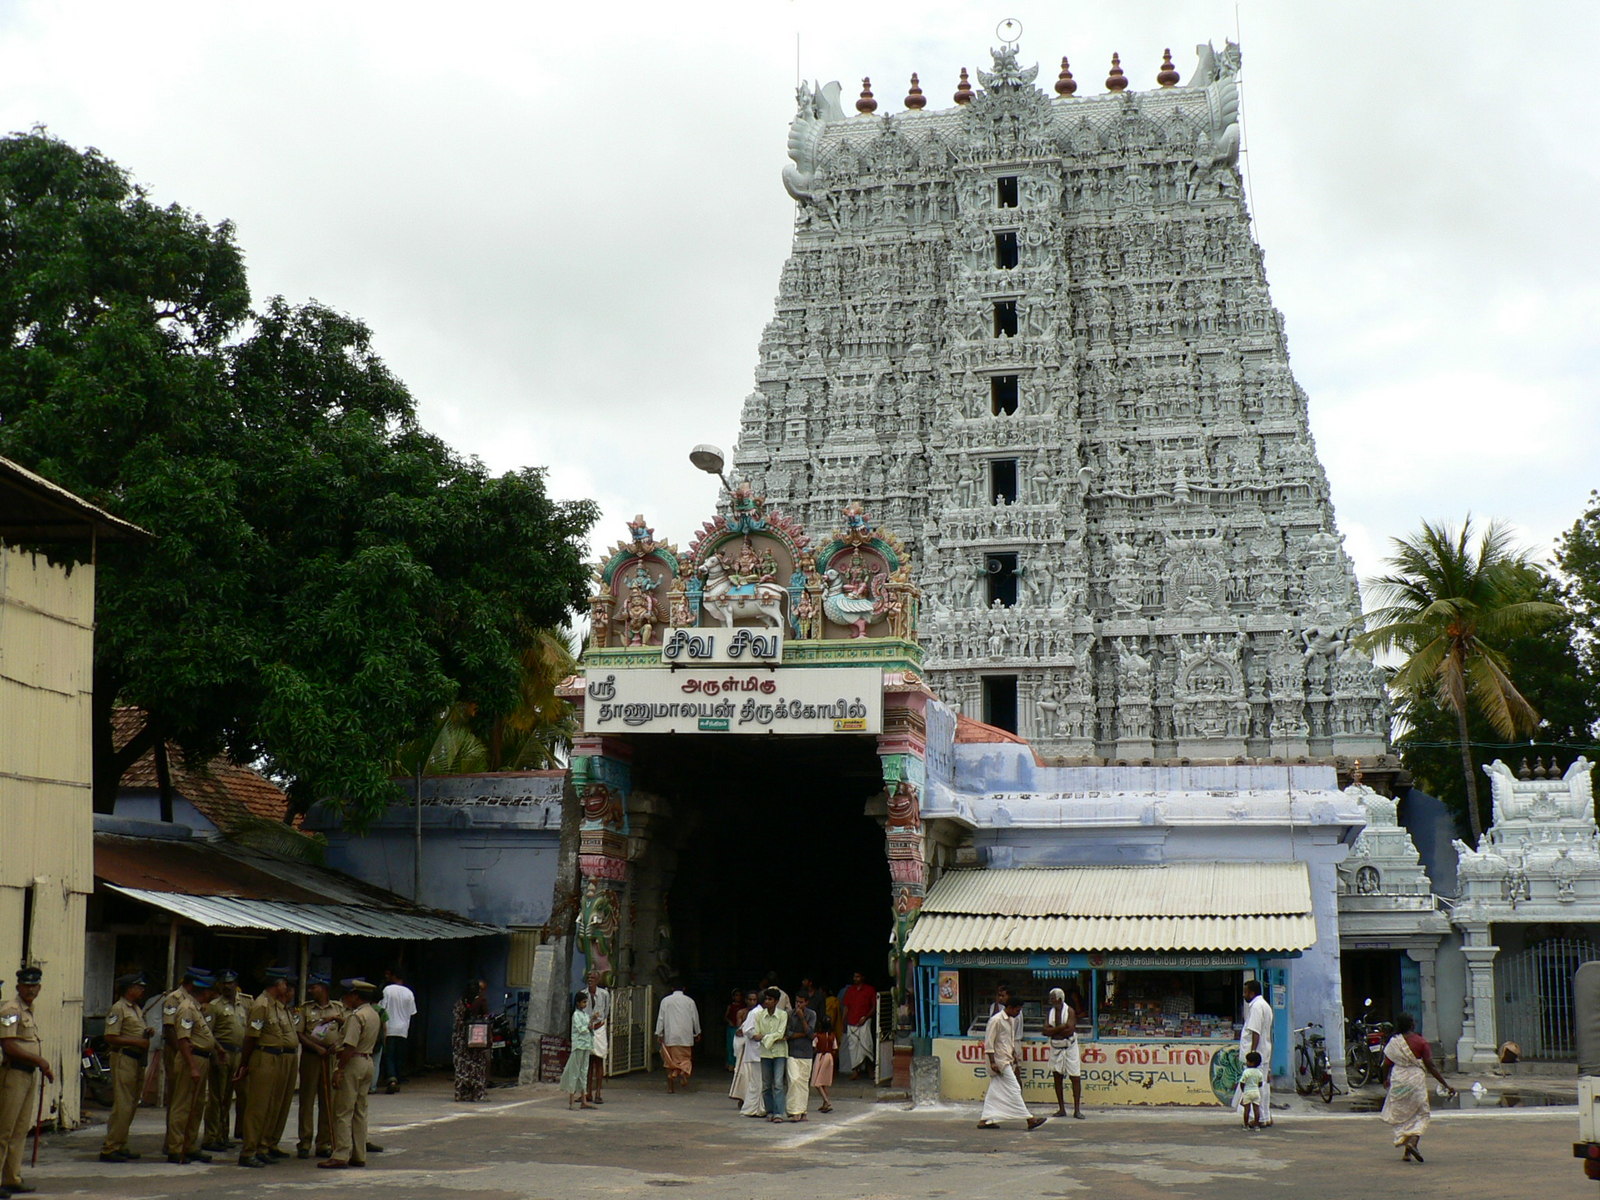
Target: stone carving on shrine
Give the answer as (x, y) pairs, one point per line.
(634, 590)
(1038, 325)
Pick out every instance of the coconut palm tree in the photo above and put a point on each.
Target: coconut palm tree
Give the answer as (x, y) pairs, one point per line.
(1448, 605)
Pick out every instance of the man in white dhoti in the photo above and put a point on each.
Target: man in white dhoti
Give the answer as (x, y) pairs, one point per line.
(1257, 1035)
(1061, 1027)
(1003, 1100)
(751, 1066)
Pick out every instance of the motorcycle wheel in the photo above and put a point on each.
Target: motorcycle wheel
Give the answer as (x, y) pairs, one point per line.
(1358, 1066)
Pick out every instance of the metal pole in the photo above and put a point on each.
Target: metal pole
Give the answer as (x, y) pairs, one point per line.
(416, 849)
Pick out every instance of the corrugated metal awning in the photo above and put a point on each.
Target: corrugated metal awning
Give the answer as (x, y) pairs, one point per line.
(350, 920)
(1181, 906)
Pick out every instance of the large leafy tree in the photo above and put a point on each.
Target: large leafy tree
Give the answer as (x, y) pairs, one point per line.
(326, 576)
(1578, 557)
(1450, 604)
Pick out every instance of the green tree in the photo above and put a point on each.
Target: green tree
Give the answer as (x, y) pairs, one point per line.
(327, 576)
(1578, 558)
(1546, 665)
(1449, 606)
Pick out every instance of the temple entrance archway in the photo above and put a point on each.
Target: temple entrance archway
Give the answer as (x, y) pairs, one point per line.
(763, 857)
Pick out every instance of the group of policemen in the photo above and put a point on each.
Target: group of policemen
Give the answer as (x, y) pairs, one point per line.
(227, 1054)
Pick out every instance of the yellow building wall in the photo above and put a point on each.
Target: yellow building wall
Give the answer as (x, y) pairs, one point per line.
(46, 806)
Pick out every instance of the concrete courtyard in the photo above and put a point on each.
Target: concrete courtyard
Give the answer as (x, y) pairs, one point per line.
(524, 1143)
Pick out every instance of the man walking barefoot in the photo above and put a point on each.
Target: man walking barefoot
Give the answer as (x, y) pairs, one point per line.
(677, 1030)
(1003, 1100)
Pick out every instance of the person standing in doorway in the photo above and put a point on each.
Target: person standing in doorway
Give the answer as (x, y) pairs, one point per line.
(1061, 1027)
(801, 1038)
(1003, 1099)
(22, 1056)
(128, 1037)
(860, 1002)
(677, 1030)
(1256, 1038)
(600, 1023)
(772, 1031)
(733, 1018)
(401, 1006)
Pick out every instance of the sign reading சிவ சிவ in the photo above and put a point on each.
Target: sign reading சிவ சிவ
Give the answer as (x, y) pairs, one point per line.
(743, 646)
(731, 700)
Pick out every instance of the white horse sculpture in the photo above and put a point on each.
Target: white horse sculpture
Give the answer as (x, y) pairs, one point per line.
(720, 601)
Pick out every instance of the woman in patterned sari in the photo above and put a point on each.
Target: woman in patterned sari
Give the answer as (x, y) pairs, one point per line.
(1408, 1061)
(471, 1063)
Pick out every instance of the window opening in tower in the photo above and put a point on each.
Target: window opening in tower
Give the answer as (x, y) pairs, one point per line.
(1006, 191)
(1001, 570)
(1000, 702)
(1005, 249)
(1003, 481)
(1002, 395)
(1005, 318)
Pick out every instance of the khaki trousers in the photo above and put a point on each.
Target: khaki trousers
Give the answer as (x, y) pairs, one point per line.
(219, 1095)
(284, 1097)
(127, 1073)
(269, 1076)
(350, 1111)
(16, 1112)
(314, 1102)
(185, 1103)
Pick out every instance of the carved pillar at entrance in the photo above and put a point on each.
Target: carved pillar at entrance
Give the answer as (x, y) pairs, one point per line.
(1429, 1020)
(601, 782)
(1479, 1036)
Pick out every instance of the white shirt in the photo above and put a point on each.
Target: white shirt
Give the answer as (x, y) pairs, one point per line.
(401, 1006)
(1257, 1020)
(678, 1021)
(752, 1043)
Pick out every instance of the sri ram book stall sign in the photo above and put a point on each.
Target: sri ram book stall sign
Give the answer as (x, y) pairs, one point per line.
(663, 700)
(1195, 1073)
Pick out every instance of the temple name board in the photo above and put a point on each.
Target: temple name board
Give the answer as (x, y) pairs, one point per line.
(743, 646)
(799, 701)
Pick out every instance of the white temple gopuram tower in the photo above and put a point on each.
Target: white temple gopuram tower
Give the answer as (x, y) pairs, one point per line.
(1033, 330)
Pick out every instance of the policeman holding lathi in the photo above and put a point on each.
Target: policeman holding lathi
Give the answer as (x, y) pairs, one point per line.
(21, 1063)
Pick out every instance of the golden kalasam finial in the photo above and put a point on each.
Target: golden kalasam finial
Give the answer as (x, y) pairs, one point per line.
(1116, 81)
(866, 105)
(1168, 75)
(914, 98)
(1065, 83)
(963, 89)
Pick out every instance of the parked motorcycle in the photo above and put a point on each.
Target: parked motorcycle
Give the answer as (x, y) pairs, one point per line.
(505, 1045)
(96, 1074)
(1364, 1041)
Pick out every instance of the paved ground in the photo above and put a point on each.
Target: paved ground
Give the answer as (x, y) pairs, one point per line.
(523, 1143)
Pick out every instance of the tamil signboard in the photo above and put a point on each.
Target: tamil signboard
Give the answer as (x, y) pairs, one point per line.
(1199, 1073)
(690, 700)
(743, 646)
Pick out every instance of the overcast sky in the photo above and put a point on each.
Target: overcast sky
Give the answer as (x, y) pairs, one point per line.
(565, 225)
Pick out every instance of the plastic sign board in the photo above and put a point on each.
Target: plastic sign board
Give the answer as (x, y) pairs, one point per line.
(678, 700)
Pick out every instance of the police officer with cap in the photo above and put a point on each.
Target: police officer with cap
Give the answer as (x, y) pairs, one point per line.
(267, 1063)
(128, 1035)
(21, 1062)
(229, 1011)
(353, 1075)
(321, 1018)
(193, 1046)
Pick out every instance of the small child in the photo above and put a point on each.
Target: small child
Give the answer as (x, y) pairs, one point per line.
(1250, 1081)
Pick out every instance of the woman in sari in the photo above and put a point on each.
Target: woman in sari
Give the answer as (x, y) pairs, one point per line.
(1408, 1061)
(471, 1063)
(575, 1079)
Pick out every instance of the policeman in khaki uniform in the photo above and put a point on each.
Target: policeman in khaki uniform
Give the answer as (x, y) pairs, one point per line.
(266, 1067)
(21, 1062)
(128, 1037)
(320, 1020)
(193, 1046)
(229, 1011)
(353, 1076)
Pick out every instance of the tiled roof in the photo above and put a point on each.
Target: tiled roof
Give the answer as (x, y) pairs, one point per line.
(969, 731)
(224, 792)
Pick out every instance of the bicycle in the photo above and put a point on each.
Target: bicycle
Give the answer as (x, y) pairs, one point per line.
(1312, 1075)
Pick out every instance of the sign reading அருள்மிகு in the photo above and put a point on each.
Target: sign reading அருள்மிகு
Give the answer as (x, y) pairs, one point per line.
(666, 700)
(740, 647)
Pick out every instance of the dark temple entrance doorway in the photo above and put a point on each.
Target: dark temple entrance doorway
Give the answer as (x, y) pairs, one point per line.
(766, 861)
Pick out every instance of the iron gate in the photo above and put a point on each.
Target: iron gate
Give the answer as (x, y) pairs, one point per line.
(631, 1029)
(1536, 1007)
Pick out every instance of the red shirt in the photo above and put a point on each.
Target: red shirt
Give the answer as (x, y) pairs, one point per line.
(859, 1000)
(1419, 1046)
